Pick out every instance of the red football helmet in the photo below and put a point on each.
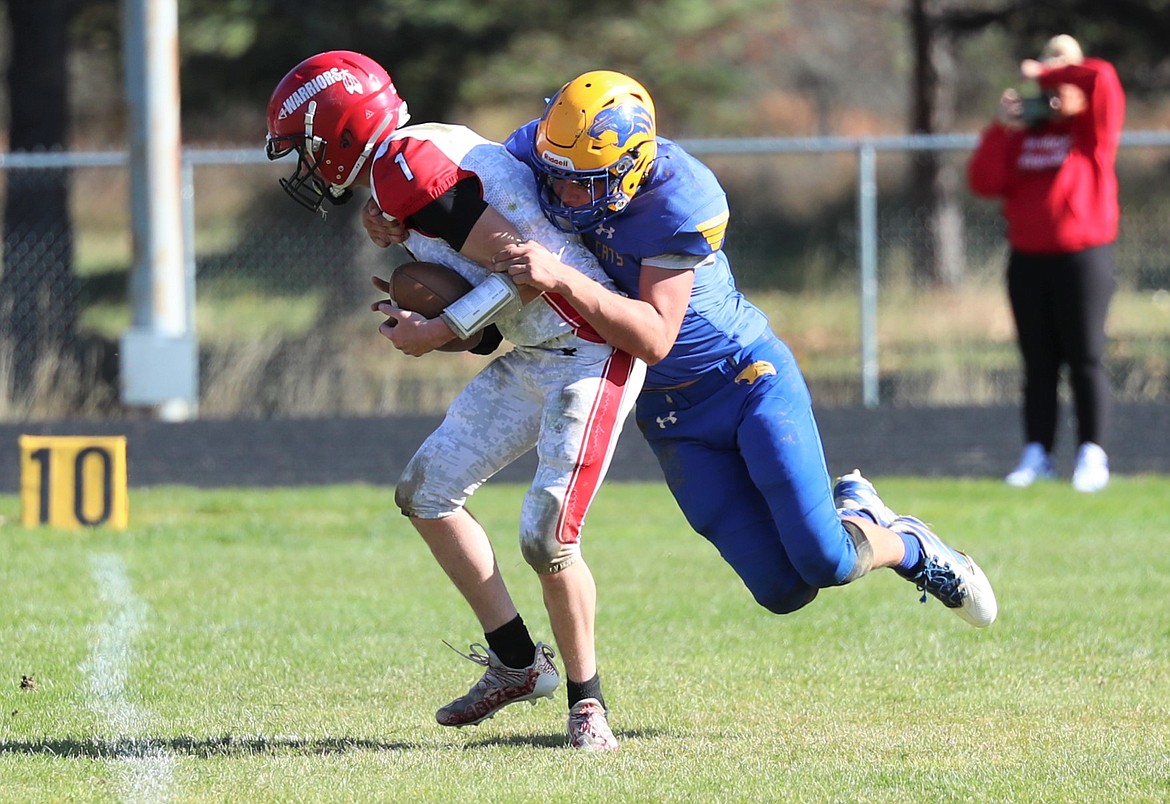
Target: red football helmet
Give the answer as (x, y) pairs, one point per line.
(332, 109)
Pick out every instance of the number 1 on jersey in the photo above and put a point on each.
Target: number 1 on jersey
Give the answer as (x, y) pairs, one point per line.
(400, 160)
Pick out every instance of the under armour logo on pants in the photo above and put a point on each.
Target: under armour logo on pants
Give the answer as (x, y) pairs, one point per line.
(665, 420)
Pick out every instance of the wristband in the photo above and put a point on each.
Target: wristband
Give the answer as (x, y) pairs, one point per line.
(473, 311)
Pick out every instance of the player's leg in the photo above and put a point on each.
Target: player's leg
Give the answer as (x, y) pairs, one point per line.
(451, 464)
(447, 469)
(784, 458)
(695, 442)
(781, 445)
(935, 568)
(462, 548)
(693, 433)
(570, 596)
(732, 514)
(715, 494)
(588, 396)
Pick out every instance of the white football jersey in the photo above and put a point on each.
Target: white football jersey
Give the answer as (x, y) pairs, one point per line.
(419, 163)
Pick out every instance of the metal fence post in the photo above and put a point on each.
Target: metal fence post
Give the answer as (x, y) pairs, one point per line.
(867, 258)
(159, 362)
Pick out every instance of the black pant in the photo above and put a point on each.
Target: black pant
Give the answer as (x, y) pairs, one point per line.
(1060, 302)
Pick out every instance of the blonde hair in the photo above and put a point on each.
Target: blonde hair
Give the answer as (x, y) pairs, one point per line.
(1064, 49)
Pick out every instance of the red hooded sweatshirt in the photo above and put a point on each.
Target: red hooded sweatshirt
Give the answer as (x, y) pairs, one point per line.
(1057, 179)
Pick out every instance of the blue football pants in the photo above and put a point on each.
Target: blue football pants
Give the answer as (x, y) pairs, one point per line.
(744, 461)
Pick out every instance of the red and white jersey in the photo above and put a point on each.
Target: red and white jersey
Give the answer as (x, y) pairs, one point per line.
(417, 164)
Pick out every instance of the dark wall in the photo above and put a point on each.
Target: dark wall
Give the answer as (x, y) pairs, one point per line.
(971, 442)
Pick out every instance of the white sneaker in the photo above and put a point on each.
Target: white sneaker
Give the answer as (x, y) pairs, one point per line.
(1092, 470)
(588, 728)
(1035, 464)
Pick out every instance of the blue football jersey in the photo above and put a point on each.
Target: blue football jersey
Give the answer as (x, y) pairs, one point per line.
(680, 209)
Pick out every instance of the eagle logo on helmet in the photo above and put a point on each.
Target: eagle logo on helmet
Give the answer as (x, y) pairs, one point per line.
(624, 120)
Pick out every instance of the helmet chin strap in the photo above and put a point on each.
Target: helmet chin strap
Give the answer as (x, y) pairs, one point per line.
(338, 195)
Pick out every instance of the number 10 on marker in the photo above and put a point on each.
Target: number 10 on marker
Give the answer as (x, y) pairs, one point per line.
(73, 481)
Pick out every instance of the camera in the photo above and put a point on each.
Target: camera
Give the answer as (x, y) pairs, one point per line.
(1035, 109)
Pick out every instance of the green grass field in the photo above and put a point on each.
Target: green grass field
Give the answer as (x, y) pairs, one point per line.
(286, 645)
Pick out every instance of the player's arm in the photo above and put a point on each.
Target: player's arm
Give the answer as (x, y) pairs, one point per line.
(461, 217)
(476, 230)
(645, 327)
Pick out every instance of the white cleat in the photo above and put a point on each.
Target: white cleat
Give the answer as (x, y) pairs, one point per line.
(500, 686)
(588, 728)
(852, 493)
(950, 576)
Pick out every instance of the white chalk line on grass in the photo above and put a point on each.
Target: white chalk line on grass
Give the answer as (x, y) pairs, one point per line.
(145, 768)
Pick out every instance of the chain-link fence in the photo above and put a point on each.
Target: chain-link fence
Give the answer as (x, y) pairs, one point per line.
(282, 301)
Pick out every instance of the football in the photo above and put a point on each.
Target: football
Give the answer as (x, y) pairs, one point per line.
(427, 288)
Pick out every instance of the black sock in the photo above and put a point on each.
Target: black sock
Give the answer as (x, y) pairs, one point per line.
(580, 690)
(512, 644)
